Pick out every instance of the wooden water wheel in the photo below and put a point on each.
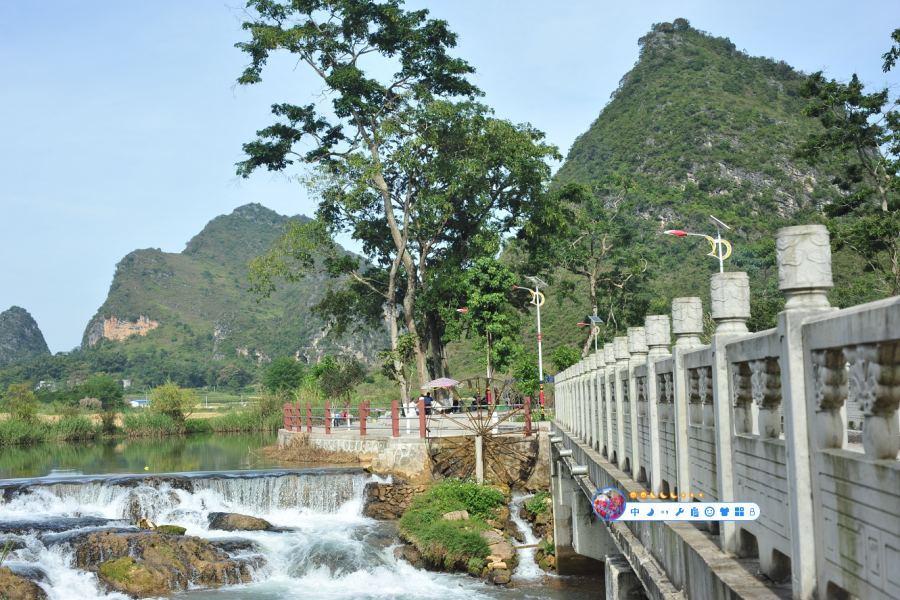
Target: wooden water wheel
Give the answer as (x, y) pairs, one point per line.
(509, 454)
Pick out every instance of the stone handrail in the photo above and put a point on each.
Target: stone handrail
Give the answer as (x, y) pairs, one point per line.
(763, 417)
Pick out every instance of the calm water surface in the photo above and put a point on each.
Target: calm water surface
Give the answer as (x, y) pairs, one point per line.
(175, 454)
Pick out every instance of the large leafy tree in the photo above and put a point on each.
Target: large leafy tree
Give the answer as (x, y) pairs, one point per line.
(863, 131)
(593, 233)
(409, 165)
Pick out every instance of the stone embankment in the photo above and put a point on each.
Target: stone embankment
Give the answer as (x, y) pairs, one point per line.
(388, 502)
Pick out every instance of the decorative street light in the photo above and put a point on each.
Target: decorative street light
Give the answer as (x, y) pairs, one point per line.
(716, 243)
(537, 298)
(595, 328)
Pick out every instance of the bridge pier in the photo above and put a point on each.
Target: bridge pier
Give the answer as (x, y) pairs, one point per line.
(621, 582)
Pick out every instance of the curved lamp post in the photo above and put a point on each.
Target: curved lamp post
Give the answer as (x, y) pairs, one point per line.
(537, 298)
(717, 243)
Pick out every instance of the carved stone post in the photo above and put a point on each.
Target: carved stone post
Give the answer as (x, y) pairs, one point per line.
(804, 275)
(609, 391)
(620, 350)
(589, 413)
(659, 335)
(637, 347)
(730, 294)
(687, 324)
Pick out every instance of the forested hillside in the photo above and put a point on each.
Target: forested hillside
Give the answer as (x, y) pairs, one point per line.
(189, 316)
(20, 336)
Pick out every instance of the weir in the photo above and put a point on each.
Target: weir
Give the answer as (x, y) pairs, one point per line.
(757, 417)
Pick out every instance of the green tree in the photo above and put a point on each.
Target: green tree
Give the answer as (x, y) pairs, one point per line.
(104, 388)
(341, 381)
(171, 400)
(525, 372)
(863, 131)
(21, 403)
(398, 363)
(564, 357)
(591, 232)
(399, 166)
(285, 373)
(490, 311)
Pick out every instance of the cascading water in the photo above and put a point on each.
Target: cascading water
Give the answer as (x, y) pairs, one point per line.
(528, 569)
(321, 547)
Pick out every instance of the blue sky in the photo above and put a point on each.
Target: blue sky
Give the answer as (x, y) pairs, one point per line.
(120, 125)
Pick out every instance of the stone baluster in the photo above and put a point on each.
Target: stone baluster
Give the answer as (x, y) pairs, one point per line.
(659, 335)
(687, 324)
(804, 276)
(637, 348)
(598, 393)
(609, 393)
(620, 350)
(730, 295)
(591, 403)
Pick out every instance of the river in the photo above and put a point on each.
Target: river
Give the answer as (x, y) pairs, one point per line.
(324, 547)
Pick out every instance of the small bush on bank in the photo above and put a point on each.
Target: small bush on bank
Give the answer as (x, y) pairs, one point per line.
(451, 544)
(149, 424)
(536, 505)
(74, 428)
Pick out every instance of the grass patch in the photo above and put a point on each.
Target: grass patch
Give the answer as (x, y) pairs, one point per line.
(173, 529)
(536, 505)
(300, 449)
(451, 544)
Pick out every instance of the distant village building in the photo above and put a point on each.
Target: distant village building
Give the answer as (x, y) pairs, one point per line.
(140, 403)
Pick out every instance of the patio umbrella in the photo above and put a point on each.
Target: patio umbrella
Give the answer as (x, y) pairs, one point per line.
(443, 382)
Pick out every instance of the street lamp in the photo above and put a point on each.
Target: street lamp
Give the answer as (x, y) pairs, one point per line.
(716, 243)
(537, 298)
(595, 328)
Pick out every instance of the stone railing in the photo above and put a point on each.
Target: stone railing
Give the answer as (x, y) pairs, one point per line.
(764, 418)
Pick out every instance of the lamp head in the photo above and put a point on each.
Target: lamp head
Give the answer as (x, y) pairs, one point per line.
(677, 232)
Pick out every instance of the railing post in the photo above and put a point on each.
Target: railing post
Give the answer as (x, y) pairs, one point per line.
(687, 325)
(658, 333)
(287, 416)
(362, 418)
(527, 415)
(395, 418)
(421, 418)
(637, 348)
(609, 391)
(309, 417)
(804, 276)
(327, 419)
(730, 295)
(620, 349)
(298, 418)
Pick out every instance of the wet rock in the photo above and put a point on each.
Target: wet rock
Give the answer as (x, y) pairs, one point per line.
(382, 511)
(514, 532)
(173, 529)
(141, 580)
(410, 555)
(503, 550)
(236, 522)
(162, 563)
(235, 546)
(542, 518)
(499, 577)
(502, 513)
(497, 565)
(13, 587)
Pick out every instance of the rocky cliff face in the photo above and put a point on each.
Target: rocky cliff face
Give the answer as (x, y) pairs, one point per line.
(116, 329)
(20, 336)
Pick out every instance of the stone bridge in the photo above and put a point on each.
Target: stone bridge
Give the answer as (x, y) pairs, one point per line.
(758, 417)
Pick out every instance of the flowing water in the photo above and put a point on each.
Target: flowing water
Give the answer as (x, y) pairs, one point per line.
(323, 547)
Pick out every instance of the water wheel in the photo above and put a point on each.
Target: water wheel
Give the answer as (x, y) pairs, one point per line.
(453, 433)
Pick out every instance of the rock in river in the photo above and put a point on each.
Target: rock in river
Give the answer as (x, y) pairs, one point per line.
(14, 587)
(236, 522)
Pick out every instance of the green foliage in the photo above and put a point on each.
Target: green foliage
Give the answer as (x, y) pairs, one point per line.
(173, 529)
(452, 544)
(491, 310)
(172, 401)
(104, 388)
(536, 505)
(341, 380)
(285, 373)
(21, 403)
(564, 357)
(525, 372)
(862, 131)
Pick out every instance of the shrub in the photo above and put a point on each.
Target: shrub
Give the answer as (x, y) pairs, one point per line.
(150, 424)
(285, 373)
(108, 422)
(172, 401)
(74, 428)
(536, 505)
(90, 403)
(13, 432)
(21, 403)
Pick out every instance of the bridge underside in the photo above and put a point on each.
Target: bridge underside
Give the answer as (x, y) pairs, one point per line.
(653, 559)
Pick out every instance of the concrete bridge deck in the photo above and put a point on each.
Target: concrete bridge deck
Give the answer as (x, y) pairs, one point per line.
(767, 417)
